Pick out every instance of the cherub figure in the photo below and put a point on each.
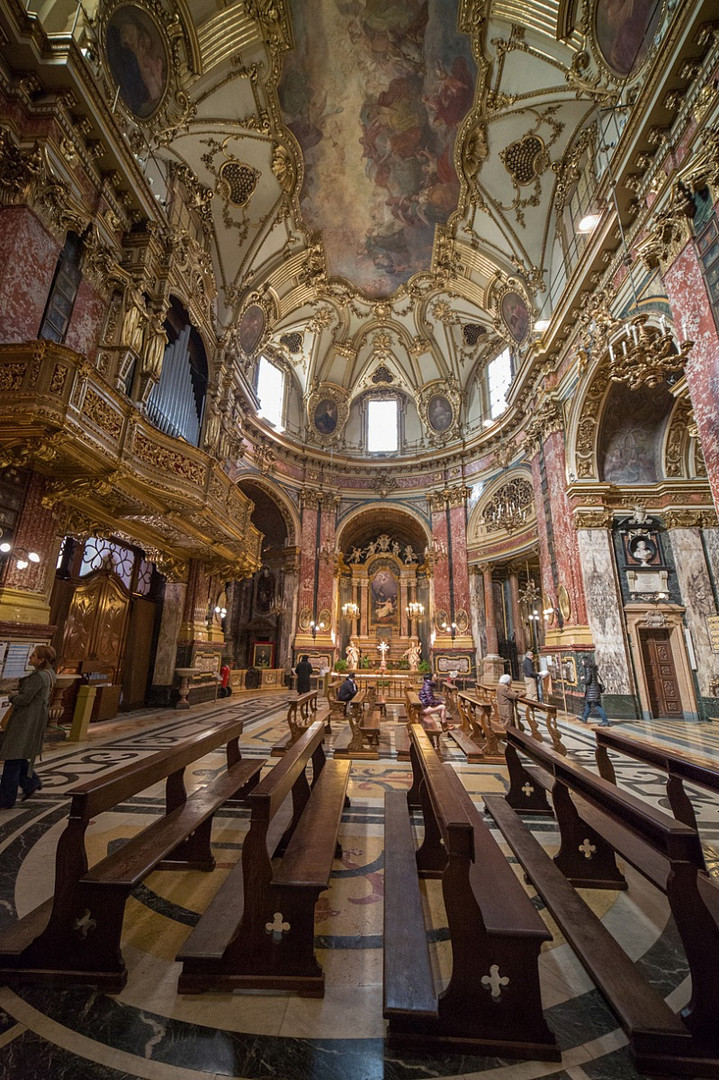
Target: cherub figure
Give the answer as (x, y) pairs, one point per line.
(409, 556)
(356, 555)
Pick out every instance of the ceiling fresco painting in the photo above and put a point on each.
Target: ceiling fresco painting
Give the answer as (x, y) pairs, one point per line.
(375, 92)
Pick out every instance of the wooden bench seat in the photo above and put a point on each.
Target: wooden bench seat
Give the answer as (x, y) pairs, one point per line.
(76, 936)
(491, 1003)
(598, 821)
(301, 712)
(408, 981)
(678, 768)
(640, 1009)
(478, 736)
(264, 903)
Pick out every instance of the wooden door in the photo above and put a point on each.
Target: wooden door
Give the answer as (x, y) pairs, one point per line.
(96, 625)
(660, 673)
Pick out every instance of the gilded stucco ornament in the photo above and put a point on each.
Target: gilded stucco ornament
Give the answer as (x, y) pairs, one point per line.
(147, 60)
(511, 310)
(439, 406)
(327, 413)
(678, 440)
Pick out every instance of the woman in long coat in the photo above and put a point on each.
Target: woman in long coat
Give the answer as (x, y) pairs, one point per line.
(26, 728)
(506, 698)
(593, 690)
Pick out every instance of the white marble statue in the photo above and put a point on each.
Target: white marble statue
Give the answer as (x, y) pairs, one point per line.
(353, 654)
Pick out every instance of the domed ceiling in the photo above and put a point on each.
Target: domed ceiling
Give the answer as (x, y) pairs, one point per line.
(380, 181)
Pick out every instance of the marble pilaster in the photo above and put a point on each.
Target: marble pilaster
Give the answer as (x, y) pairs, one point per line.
(173, 605)
(687, 294)
(604, 603)
(698, 601)
(28, 256)
(25, 594)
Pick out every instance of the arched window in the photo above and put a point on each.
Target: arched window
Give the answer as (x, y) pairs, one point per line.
(382, 425)
(499, 379)
(271, 392)
(63, 291)
(177, 401)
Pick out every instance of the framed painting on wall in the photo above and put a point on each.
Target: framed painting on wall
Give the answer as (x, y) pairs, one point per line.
(263, 654)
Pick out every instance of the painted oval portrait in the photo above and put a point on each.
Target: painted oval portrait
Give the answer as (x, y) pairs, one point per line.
(440, 413)
(625, 29)
(138, 59)
(325, 416)
(515, 314)
(252, 327)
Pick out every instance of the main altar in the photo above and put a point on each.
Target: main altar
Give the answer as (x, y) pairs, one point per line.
(384, 593)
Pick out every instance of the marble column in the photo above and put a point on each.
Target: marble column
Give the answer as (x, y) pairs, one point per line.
(698, 600)
(557, 537)
(605, 607)
(28, 256)
(307, 608)
(692, 314)
(517, 623)
(163, 675)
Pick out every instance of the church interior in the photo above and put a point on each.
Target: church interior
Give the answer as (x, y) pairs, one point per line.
(473, 435)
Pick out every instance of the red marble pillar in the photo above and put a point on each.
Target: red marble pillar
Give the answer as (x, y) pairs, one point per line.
(689, 301)
(460, 568)
(28, 256)
(308, 560)
(557, 538)
(519, 637)
(197, 600)
(441, 589)
(326, 567)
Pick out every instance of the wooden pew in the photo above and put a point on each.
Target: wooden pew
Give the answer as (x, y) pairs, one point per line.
(478, 736)
(301, 712)
(492, 1002)
(414, 708)
(258, 932)
(679, 768)
(597, 819)
(364, 719)
(74, 937)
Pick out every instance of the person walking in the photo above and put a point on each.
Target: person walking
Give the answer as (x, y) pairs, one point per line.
(303, 671)
(26, 728)
(593, 690)
(506, 698)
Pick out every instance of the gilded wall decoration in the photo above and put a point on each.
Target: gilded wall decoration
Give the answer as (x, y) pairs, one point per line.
(438, 404)
(512, 310)
(147, 56)
(624, 34)
(327, 413)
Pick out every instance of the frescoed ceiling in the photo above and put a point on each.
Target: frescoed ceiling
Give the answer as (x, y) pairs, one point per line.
(381, 183)
(376, 120)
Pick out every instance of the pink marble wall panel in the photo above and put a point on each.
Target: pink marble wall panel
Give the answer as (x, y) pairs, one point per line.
(692, 315)
(325, 583)
(308, 552)
(564, 537)
(86, 323)
(545, 563)
(442, 597)
(460, 571)
(28, 256)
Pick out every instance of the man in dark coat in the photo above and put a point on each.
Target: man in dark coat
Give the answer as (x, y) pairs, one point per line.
(593, 690)
(348, 688)
(303, 671)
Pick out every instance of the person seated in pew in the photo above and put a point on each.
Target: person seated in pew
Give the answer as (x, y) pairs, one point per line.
(506, 698)
(348, 689)
(433, 707)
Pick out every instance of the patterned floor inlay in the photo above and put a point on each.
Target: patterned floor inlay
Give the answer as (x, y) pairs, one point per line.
(149, 1031)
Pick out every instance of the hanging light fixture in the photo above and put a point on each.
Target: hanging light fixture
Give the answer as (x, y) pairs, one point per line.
(350, 610)
(22, 556)
(415, 610)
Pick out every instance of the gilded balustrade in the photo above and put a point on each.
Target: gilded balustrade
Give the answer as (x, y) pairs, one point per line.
(60, 417)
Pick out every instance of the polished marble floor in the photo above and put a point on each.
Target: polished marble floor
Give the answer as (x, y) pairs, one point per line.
(150, 1031)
